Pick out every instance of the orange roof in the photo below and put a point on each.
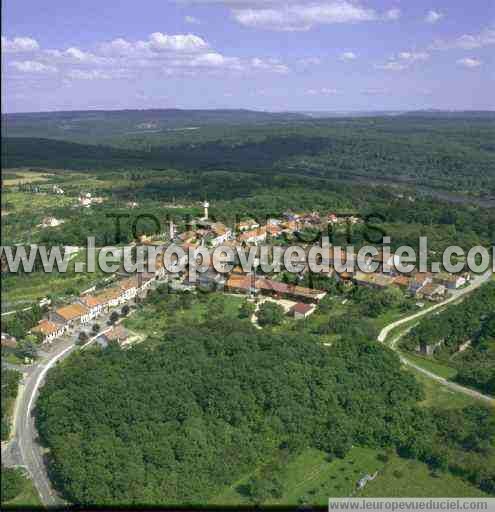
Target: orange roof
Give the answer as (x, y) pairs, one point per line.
(255, 233)
(109, 294)
(244, 282)
(402, 281)
(273, 229)
(72, 311)
(421, 277)
(90, 301)
(46, 327)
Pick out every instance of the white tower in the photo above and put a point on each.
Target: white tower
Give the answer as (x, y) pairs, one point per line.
(206, 205)
(172, 230)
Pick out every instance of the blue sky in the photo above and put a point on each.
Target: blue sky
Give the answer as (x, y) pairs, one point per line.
(276, 55)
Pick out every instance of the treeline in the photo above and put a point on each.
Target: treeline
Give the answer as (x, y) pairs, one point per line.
(10, 383)
(463, 335)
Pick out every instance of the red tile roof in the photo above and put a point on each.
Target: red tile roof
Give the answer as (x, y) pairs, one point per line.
(46, 327)
(302, 308)
(72, 311)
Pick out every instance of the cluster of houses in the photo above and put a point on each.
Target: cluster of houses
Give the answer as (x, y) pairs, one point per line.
(422, 285)
(248, 232)
(89, 307)
(251, 232)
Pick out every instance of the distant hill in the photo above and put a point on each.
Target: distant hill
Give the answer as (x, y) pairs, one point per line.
(87, 126)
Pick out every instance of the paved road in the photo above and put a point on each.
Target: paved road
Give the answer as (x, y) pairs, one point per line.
(476, 282)
(23, 449)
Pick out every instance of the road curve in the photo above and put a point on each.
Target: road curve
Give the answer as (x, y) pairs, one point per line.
(477, 281)
(23, 449)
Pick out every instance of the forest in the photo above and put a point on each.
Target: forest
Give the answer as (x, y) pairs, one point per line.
(201, 403)
(439, 152)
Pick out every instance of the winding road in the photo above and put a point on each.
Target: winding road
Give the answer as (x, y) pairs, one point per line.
(476, 282)
(23, 448)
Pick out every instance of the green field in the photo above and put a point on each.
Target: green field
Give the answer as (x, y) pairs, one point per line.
(439, 396)
(25, 288)
(432, 366)
(28, 498)
(312, 479)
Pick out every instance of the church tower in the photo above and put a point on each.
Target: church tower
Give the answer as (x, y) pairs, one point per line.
(206, 205)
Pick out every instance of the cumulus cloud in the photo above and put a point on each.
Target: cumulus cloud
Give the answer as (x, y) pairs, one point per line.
(433, 16)
(181, 42)
(184, 54)
(346, 56)
(467, 41)
(469, 62)
(19, 45)
(157, 42)
(32, 66)
(288, 16)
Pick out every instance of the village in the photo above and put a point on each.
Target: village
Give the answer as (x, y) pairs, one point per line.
(297, 301)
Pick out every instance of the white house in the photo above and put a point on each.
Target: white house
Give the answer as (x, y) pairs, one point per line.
(93, 304)
(49, 330)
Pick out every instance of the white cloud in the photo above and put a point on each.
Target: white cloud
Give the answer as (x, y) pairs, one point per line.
(345, 56)
(393, 14)
(181, 42)
(78, 54)
(32, 66)
(157, 42)
(469, 62)
(185, 54)
(192, 20)
(272, 65)
(467, 41)
(19, 45)
(433, 16)
(300, 16)
(324, 91)
(212, 60)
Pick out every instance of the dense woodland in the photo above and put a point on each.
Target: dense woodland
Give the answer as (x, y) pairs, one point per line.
(200, 404)
(440, 152)
(470, 323)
